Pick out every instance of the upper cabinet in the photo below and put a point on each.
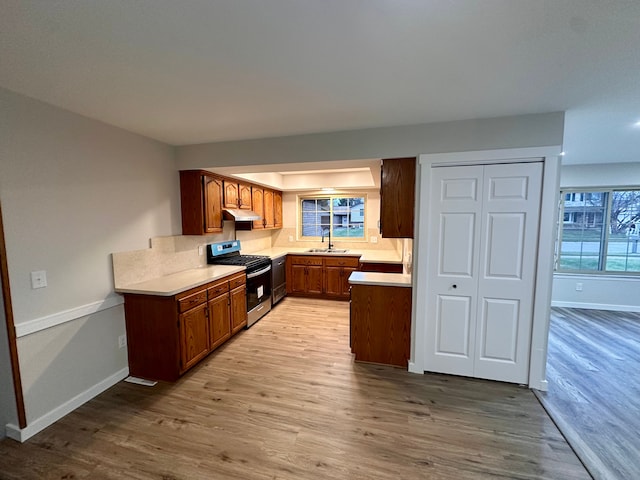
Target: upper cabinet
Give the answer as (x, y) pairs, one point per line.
(205, 195)
(237, 195)
(265, 202)
(277, 209)
(397, 197)
(201, 202)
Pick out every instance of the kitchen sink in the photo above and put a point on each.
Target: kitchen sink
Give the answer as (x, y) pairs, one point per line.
(326, 250)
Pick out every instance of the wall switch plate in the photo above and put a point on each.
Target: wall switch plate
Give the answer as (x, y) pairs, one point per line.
(200, 250)
(39, 279)
(374, 239)
(122, 341)
(578, 287)
(291, 238)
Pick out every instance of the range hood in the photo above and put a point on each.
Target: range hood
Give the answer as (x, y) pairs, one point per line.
(240, 215)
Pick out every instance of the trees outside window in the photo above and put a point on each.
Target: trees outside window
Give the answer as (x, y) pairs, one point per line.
(596, 234)
(343, 216)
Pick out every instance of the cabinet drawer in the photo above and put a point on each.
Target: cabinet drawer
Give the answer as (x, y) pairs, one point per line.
(217, 289)
(192, 300)
(341, 262)
(310, 260)
(237, 280)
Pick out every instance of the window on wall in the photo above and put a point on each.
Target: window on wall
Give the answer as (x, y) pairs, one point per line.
(343, 216)
(599, 231)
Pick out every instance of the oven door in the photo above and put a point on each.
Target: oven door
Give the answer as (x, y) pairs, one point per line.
(258, 287)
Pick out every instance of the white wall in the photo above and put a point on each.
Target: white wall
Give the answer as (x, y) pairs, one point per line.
(73, 191)
(604, 292)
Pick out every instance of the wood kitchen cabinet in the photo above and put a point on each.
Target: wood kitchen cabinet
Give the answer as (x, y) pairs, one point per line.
(304, 275)
(194, 336)
(237, 195)
(264, 204)
(380, 324)
(167, 335)
(397, 197)
(269, 218)
(320, 276)
(219, 314)
(201, 202)
(277, 209)
(336, 276)
(380, 267)
(238, 302)
(257, 205)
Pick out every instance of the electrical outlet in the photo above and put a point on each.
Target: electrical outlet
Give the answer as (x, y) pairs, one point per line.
(122, 341)
(374, 239)
(291, 238)
(578, 287)
(200, 250)
(39, 279)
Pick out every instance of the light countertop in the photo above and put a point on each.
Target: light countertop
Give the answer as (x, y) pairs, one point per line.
(175, 283)
(366, 256)
(380, 279)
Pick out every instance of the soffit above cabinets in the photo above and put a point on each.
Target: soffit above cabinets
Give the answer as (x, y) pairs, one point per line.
(346, 174)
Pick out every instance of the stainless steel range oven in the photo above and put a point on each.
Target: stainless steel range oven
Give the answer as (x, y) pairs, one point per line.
(258, 275)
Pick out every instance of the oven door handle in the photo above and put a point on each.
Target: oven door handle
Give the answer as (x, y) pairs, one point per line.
(259, 272)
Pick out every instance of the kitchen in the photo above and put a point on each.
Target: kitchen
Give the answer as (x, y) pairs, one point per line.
(247, 224)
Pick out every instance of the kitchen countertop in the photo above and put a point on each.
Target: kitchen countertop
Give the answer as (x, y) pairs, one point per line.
(366, 256)
(175, 283)
(380, 279)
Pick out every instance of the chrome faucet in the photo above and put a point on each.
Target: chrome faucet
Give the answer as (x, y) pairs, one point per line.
(328, 230)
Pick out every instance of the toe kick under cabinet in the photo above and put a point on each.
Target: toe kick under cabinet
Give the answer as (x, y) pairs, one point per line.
(167, 335)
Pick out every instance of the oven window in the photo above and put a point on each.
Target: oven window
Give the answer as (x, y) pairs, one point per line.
(258, 289)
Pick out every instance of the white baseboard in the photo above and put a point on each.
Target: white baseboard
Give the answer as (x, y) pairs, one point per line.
(413, 368)
(597, 306)
(39, 424)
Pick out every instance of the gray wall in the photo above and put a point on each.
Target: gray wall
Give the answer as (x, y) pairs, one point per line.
(609, 292)
(493, 133)
(74, 190)
(8, 412)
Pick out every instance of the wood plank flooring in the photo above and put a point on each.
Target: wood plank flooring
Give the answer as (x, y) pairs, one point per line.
(593, 370)
(284, 400)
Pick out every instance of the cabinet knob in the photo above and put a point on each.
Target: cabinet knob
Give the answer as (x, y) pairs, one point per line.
(454, 286)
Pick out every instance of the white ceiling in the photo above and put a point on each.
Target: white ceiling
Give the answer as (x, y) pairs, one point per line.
(195, 71)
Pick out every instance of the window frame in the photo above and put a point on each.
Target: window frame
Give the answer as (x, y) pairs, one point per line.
(604, 241)
(330, 197)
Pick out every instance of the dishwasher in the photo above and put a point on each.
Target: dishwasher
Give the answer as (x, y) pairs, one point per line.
(278, 279)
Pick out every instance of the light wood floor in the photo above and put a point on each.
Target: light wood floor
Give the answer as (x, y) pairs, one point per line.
(284, 400)
(593, 370)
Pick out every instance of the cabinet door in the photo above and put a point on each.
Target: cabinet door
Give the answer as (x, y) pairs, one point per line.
(244, 195)
(298, 282)
(231, 197)
(333, 281)
(314, 279)
(212, 204)
(194, 336)
(277, 209)
(258, 206)
(219, 320)
(397, 197)
(238, 298)
(269, 219)
(346, 272)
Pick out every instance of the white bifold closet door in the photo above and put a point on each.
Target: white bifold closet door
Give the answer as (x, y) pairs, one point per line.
(481, 277)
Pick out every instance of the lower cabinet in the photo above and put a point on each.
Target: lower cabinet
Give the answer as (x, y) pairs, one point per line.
(336, 276)
(320, 276)
(166, 336)
(380, 323)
